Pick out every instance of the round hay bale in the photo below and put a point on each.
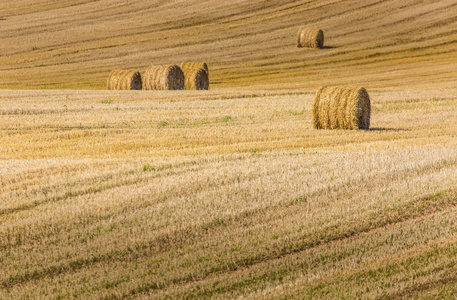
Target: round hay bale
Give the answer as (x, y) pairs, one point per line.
(196, 79)
(341, 108)
(124, 80)
(196, 75)
(310, 37)
(194, 65)
(163, 77)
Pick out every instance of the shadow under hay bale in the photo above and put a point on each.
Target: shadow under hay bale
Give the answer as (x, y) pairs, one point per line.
(124, 80)
(310, 38)
(163, 77)
(341, 108)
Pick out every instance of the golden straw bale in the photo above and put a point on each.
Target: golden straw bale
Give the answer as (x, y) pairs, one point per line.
(341, 107)
(196, 79)
(124, 80)
(310, 37)
(163, 77)
(194, 65)
(196, 75)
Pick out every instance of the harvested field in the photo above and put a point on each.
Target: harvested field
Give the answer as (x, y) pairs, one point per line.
(224, 194)
(227, 193)
(246, 44)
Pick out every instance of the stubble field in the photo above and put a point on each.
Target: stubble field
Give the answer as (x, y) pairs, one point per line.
(227, 193)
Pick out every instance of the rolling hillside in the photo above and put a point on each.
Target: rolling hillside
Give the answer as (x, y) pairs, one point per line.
(382, 44)
(228, 193)
(225, 194)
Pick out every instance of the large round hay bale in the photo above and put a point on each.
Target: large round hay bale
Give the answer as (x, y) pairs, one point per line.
(194, 65)
(341, 107)
(196, 79)
(163, 77)
(124, 80)
(196, 75)
(310, 37)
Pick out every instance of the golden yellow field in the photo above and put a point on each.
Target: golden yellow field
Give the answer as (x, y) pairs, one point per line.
(249, 44)
(227, 193)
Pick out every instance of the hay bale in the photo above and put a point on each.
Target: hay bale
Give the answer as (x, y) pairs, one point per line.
(124, 80)
(163, 77)
(310, 37)
(196, 79)
(341, 107)
(194, 65)
(196, 75)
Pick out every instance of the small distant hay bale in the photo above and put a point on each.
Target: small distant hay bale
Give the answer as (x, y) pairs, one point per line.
(341, 108)
(163, 77)
(124, 80)
(310, 37)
